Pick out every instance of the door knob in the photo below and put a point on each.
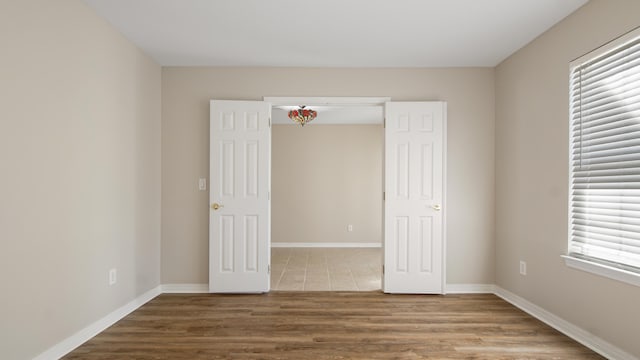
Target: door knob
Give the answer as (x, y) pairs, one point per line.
(216, 206)
(435, 207)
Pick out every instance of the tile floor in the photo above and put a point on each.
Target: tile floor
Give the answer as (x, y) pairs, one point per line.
(326, 269)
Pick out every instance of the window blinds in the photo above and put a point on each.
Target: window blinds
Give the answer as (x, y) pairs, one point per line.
(605, 155)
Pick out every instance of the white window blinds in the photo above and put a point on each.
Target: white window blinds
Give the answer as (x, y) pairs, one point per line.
(604, 195)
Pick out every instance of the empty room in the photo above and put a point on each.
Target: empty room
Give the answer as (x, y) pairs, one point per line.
(356, 179)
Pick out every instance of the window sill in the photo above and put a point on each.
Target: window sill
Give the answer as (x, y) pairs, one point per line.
(602, 270)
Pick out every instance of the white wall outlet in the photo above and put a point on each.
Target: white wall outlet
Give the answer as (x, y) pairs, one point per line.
(113, 276)
(202, 184)
(523, 268)
(350, 228)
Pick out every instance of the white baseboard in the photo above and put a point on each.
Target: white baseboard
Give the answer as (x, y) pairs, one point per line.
(185, 288)
(324, 245)
(469, 289)
(67, 345)
(580, 335)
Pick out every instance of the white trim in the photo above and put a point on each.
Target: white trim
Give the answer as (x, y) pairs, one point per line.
(327, 100)
(185, 288)
(324, 245)
(67, 345)
(578, 334)
(469, 289)
(445, 125)
(602, 270)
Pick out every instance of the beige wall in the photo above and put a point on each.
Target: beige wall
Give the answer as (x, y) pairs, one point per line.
(323, 178)
(532, 177)
(469, 93)
(80, 172)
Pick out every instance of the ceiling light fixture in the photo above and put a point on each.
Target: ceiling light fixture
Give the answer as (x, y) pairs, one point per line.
(302, 116)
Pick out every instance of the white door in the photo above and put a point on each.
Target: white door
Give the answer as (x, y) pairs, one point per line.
(415, 134)
(239, 213)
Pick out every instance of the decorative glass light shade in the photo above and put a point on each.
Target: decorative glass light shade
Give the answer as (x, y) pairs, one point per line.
(302, 116)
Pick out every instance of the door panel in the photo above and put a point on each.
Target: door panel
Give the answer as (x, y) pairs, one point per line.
(414, 188)
(239, 229)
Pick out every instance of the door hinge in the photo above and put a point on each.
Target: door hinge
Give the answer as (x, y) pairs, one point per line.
(384, 123)
(384, 196)
(382, 269)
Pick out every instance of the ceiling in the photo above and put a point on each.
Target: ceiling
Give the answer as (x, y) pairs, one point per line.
(332, 33)
(334, 115)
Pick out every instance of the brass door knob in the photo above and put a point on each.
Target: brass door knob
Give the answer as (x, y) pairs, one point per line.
(435, 207)
(216, 206)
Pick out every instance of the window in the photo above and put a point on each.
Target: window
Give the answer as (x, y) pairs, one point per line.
(604, 194)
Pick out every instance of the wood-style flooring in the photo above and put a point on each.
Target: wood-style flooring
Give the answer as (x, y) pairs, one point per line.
(329, 325)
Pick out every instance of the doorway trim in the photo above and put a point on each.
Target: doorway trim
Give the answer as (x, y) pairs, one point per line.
(327, 100)
(381, 101)
(422, 118)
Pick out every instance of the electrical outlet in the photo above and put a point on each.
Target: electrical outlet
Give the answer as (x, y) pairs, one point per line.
(113, 276)
(523, 268)
(350, 228)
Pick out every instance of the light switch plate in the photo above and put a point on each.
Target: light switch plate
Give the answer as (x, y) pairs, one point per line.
(202, 184)
(523, 268)
(113, 276)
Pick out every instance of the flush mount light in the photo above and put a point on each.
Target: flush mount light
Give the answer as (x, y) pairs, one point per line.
(302, 115)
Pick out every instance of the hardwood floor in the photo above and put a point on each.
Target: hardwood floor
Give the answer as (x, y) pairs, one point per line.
(329, 325)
